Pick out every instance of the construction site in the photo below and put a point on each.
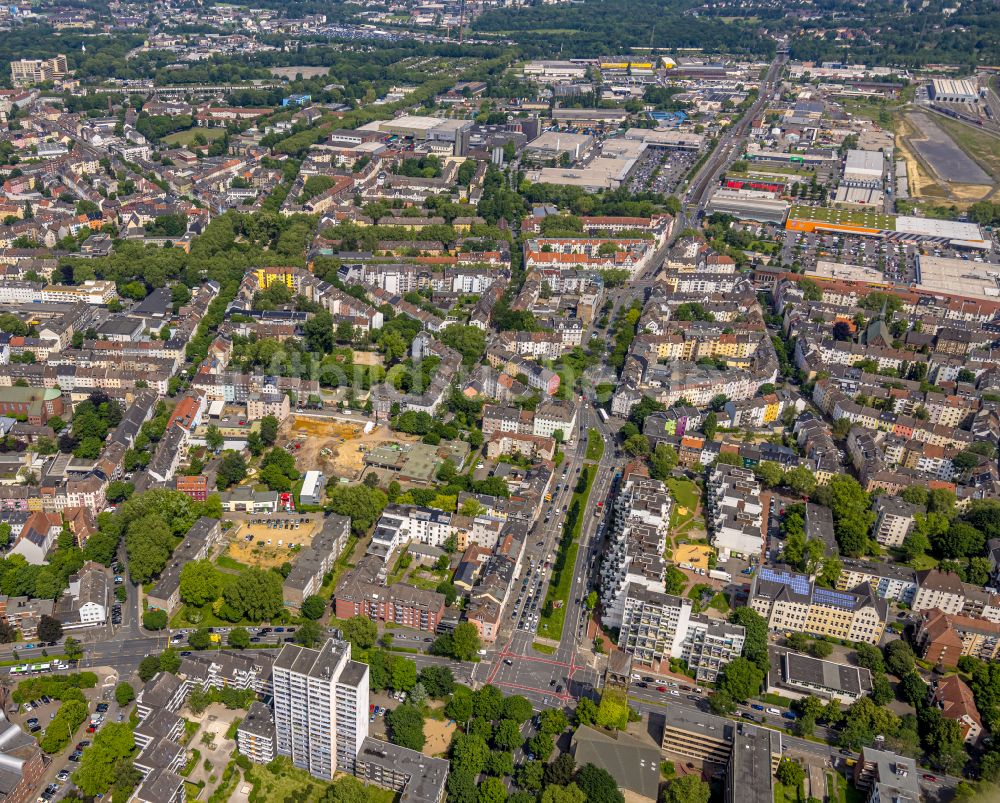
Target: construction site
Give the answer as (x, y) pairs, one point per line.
(337, 447)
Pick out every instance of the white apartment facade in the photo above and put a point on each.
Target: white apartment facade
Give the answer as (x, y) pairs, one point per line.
(320, 707)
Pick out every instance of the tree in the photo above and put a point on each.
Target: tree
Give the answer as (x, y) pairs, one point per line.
(721, 703)
(255, 595)
(200, 639)
(801, 480)
(49, 629)
(405, 724)
(507, 735)
(199, 582)
(99, 766)
(769, 473)
(686, 789)
(637, 445)
(492, 790)
(318, 331)
(402, 673)
(214, 438)
(552, 721)
(960, 541)
(313, 607)
(899, 658)
(309, 634)
(881, 693)
(459, 707)
(465, 642)
(469, 753)
(598, 785)
(232, 469)
(540, 746)
(360, 631)
(438, 680)
(870, 657)
(561, 770)
(710, 425)
(662, 461)
(124, 694)
(586, 712)
(73, 648)
(741, 679)
(516, 708)
(563, 794)
(268, 430)
(362, 504)
(529, 775)
(118, 491)
(461, 787)
(149, 667)
(820, 649)
(347, 789)
(469, 341)
(790, 773)
(155, 620)
(755, 639)
(238, 638)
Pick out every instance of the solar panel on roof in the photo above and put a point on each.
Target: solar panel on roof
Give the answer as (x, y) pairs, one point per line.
(838, 598)
(797, 582)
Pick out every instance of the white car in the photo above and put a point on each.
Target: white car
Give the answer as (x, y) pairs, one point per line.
(774, 711)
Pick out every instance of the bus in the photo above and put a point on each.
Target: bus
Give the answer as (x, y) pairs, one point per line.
(603, 414)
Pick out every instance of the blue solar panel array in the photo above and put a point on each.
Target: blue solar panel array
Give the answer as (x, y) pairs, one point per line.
(824, 596)
(799, 583)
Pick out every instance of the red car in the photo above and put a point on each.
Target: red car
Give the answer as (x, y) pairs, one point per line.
(661, 688)
(931, 778)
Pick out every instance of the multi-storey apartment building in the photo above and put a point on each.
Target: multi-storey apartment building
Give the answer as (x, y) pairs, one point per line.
(657, 627)
(633, 556)
(790, 601)
(942, 590)
(25, 72)
(888, 580)
(735, 511)
(255, 734)
(894, 520)
(320, 707)
(942, 638)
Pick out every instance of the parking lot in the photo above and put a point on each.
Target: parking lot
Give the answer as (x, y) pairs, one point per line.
(896, 260)
(660, 170)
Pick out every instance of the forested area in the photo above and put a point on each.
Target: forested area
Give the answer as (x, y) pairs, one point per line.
(593, 28)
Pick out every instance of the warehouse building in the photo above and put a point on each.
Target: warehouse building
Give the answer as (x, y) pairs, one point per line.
(947, 90)
(864, 168)
(757, 205)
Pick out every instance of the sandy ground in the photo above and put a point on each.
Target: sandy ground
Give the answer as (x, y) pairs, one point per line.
(367, 358)
(275, 553)
(438, 737)
(923, 185)
(336, 448)
(291, 72)
(693, 554)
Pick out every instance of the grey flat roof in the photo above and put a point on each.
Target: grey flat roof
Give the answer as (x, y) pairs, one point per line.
(633, 764)
(799, 668)
(426, 776)
(750, 765)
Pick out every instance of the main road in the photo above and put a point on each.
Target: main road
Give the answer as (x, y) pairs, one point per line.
(730, 144)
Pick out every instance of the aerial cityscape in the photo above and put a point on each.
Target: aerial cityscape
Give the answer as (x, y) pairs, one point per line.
(500, 401)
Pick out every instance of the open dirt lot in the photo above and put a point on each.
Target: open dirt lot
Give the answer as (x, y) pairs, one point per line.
(336, 448)
(693, 554)
(438, 736)
(306, 72)
(277, 541)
